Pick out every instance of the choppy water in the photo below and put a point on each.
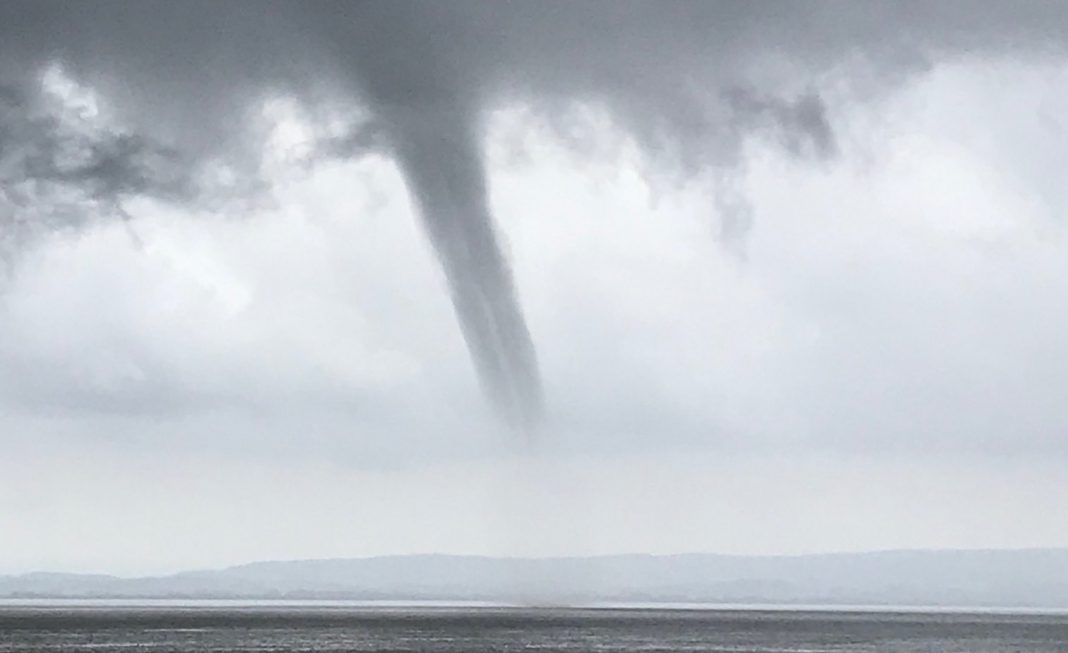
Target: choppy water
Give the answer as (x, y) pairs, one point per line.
(204, 629)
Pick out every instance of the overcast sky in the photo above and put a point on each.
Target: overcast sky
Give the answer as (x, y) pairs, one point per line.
(795, 277)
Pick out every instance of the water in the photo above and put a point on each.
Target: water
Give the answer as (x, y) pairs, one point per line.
(212, 628)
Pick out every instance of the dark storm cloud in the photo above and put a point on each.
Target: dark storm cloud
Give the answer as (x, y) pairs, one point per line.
(55, 175)
(680, 75)
(104, 166)
(688, 81)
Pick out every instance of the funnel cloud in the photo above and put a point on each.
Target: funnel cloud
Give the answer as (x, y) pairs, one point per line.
(444, 171)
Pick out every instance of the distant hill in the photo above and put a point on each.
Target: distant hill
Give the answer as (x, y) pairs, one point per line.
(1021, 578)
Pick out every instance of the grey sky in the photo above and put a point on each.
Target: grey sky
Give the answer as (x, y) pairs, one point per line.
(794, 275)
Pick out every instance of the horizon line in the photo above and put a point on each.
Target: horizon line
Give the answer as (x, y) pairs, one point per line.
(522, 558)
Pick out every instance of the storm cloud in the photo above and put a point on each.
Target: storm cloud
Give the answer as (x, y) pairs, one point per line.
(688, 81)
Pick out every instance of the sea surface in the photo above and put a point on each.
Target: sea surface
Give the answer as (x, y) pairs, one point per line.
(174, 627)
